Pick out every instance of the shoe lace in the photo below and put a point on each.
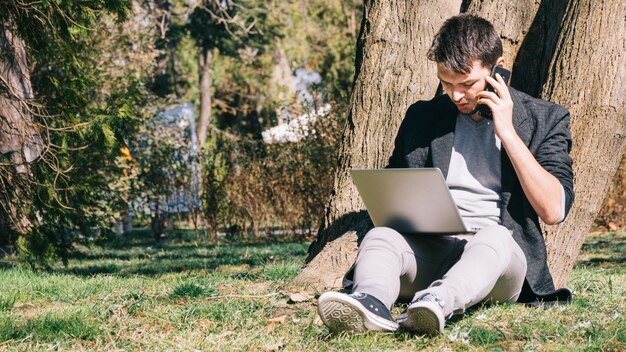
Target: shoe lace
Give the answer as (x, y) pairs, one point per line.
(431, 297)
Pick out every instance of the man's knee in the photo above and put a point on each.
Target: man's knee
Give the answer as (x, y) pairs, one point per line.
(498, 238)
(382, 236)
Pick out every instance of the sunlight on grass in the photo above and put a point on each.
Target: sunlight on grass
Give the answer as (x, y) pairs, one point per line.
(134, 294)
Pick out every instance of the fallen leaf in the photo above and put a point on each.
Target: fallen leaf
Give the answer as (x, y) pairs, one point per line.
(281, 319)
(299, 297)
(318, 321)
(268, 329)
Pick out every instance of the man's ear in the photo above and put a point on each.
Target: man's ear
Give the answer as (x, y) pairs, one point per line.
(500, 62)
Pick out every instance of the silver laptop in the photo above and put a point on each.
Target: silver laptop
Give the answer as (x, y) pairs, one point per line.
(409, 200)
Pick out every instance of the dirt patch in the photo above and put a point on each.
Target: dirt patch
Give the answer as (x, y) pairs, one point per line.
(31, 309)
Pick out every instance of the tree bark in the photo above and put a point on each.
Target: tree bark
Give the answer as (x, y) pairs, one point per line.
(391, 73)
(587, 74)
(20, 144)
(612, 214)
(204, 68)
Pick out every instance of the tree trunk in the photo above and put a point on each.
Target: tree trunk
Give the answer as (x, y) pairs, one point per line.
(391, 73)
(587, 75)
(204, 68)
(20, 144)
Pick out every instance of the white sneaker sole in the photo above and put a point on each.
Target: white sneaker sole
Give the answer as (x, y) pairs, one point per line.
(341, 312)
(424, 318)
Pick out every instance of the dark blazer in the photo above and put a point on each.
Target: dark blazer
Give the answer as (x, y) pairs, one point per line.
(426, 138)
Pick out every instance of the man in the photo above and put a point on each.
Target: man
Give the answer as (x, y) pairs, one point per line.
(504, 173)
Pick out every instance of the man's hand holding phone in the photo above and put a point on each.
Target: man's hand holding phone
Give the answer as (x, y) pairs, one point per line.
(499, 103)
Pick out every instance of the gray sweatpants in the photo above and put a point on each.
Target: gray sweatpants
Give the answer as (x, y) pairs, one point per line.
(462, 269)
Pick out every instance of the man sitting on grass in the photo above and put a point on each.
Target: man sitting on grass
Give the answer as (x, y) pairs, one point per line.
(504, 172)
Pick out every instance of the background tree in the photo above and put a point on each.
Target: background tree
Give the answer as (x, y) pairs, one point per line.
(82, 108)
(551, 50)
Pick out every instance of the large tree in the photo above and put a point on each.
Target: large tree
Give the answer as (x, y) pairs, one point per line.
(555, 62)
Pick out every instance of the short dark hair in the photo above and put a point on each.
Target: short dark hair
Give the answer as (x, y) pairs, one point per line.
(463, 39)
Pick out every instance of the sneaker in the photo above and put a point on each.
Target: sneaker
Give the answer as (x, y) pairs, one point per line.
(357, 312)
(424, 315)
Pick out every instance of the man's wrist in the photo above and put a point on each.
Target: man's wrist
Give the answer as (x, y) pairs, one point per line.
(510, 140)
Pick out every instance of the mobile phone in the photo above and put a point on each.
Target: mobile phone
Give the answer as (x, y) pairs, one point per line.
(483, 109)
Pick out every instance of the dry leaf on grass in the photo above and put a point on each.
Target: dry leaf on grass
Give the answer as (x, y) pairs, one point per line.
(299, 297)
(318, 321)
(281, 319)
(272, 323)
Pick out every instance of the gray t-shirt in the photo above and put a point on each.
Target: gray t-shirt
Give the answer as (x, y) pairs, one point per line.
(474, 175)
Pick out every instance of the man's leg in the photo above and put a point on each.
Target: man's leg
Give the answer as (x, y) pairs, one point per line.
(377, 270)
(388, 265)
(491, 268)
(384, 257)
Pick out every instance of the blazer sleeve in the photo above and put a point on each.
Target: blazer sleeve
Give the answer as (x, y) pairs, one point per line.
(553, 154)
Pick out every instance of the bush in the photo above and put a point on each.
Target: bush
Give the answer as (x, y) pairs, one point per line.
(249, 184)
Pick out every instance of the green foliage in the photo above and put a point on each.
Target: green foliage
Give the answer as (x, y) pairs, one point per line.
(252, 185)
(53, 326)
(6, 302)
(231, 25)
(87, 105)
(321, 35)
(95, 74)
(192, 289)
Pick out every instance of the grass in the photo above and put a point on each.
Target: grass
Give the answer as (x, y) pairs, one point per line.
(134, 294)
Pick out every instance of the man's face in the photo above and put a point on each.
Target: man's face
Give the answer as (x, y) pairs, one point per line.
(463, 87)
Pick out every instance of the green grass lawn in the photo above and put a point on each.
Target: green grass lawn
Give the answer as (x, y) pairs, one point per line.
(132, 294)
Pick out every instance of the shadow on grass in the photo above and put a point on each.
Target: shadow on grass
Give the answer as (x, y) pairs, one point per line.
(138, 254)
(607, 249)
(598, 261)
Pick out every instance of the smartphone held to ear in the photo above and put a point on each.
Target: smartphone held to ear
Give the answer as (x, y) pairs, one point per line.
(483, 109)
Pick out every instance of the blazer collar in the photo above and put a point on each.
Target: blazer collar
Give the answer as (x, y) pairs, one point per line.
(441, 145)
(520, 116)
(524, 129)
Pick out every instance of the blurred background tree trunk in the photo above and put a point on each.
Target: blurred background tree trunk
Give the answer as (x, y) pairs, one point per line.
(392, 72)
(20, 144)
(204, 68)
